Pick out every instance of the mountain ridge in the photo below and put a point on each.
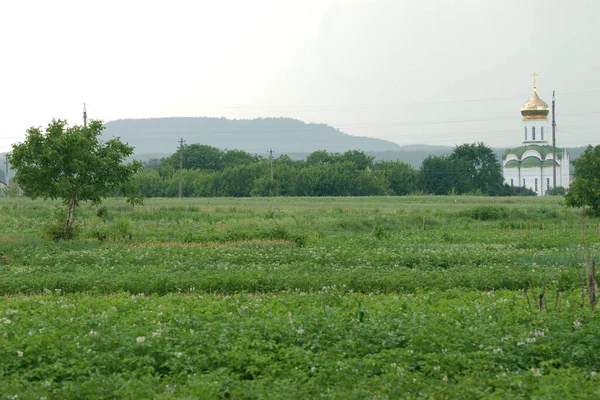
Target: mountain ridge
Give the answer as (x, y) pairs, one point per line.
(149, 135)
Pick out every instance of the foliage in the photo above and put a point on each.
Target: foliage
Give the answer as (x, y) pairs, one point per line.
(70, 163)
(517, 191)
(585, 190)
(556, 191)
(442, 175)
(402, 177)
(483, 169)
(379, 297)
(472, 169)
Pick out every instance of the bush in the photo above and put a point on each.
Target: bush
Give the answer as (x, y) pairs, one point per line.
(55, 228)
(557, 191)
(487, 213)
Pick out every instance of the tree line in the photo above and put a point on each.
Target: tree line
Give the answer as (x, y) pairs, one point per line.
(212, 172)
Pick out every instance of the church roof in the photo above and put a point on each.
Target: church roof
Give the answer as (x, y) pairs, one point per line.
(543, 150)
(535, 108)
(529, 162)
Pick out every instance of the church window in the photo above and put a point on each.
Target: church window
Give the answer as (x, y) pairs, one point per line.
(533, 133)
(542, 132)
(547, 183)
(512, 182)
(536, 184)
(523, 182)
(525, 133)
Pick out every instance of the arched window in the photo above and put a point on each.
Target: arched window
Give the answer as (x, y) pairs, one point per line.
(542, 132)
(523, 182)
(533, 133)
(547, 183)
(536, 184)
(512, 182)
(526, 133)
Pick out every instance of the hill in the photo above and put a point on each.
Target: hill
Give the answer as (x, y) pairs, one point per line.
(256, 136)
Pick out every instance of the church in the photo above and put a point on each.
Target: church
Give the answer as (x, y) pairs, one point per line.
(531, 165)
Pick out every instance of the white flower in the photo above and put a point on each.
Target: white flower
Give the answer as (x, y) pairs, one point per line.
(140, 339)
(313, 369)
(536, 372)
(445, 378)
(594, 373)
(300, 331)
(92, 333)
(577, 324)
(20, 353)
(178, 354)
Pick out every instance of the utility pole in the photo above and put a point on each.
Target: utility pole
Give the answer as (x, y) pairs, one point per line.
(84, 116)
(554, 141)
(180, 166)
(271, 162)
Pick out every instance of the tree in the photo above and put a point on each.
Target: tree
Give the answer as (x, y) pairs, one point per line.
(556, 191)
(585, 190)
(358, 158)
(483, 169)
(72, 164)
(196, 156)
(443, 175)
(402, 177)
(233, 158)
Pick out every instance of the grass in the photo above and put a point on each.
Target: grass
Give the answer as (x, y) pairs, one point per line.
(386, 297)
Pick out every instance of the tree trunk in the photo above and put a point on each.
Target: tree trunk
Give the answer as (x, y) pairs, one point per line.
(70, 217)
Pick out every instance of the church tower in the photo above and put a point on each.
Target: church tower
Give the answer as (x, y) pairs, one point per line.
(535, 118)
(531, 165)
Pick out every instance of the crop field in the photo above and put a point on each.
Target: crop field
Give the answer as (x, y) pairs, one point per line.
(284, 298)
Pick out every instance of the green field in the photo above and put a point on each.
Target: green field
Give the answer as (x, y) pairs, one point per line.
(374, 297)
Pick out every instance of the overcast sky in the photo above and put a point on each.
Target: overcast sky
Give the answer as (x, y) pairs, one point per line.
(418, 71)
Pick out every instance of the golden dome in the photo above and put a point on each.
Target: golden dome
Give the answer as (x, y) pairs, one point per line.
(535, 108)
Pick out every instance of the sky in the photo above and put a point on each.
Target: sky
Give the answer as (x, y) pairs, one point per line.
(413, 72)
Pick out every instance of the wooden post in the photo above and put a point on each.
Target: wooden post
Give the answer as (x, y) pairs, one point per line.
(521, 227)
(424, 224)
(542, 228)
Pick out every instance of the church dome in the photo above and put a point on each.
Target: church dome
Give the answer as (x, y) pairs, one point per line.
(535, 108)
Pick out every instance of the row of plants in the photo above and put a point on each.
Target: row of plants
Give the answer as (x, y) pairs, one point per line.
(330, 344)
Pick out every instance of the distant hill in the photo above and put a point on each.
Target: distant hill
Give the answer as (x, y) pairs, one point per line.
(158, 137)
(256, 136)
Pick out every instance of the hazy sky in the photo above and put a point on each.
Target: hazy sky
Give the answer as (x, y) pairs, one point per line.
(418, 71)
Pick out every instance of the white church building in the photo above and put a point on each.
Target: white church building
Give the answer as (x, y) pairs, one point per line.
(531, 164)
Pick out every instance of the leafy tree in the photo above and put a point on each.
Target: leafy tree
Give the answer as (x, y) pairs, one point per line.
(72, 164)
(149, 183)
(585, 190)
(321, 157)
(358, 158)
(442, 175)
(196, 156)
(402, 177)
(482, 167)
(152, 163)
(233, 158)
